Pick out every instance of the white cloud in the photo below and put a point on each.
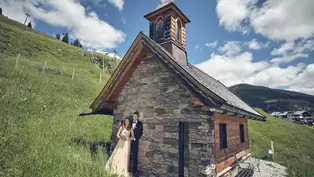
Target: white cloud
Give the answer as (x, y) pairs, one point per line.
(289, 58)
(232, 70)
(69, 14)
(12, 9)
(197, 46)
(304, 81)
(256, 45)
(241, 68)
(106, 53)
(232, 13)
(275, 19)
(114, 55)
(231, 48)
(117, 3)
(286, 47)
(212, 44)
(290, 51)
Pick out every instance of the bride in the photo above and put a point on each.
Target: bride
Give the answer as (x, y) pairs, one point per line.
(118, 162)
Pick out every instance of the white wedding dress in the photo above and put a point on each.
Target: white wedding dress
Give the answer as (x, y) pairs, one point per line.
(118, 162)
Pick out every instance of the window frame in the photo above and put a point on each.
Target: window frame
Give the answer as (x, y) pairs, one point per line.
(183, 146)
(161, 23)
(242, 134)
(179, 31)
(223, 138)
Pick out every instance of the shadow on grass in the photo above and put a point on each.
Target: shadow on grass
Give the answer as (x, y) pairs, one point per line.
(94, 147)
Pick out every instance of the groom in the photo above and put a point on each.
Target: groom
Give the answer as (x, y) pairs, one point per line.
(138, 132)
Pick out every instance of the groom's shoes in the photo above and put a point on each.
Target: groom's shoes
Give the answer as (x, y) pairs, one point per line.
(135, 175)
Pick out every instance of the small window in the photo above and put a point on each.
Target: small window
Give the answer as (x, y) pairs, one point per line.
(160, 29)
(241, 133)
(223, 135)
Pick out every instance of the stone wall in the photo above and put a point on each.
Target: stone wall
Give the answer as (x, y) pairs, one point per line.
(163, 101)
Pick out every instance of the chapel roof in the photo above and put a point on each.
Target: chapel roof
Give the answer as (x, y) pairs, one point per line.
(210, 89)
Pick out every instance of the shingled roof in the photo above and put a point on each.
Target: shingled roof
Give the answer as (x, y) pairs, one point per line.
(210, 90)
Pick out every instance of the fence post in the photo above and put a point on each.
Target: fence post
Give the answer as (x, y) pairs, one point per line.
(44, 68)
(86, 75)
(73, 72)
(272, 148)
(17, 60)
(252, 143)
(103, 63)
(100, 78)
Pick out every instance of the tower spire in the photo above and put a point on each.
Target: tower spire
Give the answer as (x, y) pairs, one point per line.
(167, 28)
(163, 3)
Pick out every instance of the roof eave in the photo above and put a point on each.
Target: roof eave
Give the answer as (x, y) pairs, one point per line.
(247, 114)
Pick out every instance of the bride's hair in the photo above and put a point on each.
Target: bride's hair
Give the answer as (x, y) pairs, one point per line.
(123, 124)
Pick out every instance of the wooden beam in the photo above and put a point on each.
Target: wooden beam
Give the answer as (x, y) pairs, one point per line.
(243, 157)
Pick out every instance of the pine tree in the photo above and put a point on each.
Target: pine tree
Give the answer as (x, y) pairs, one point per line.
(65, 38)
(77, 43)
(0, 11)
(58, 36)
(30, 24)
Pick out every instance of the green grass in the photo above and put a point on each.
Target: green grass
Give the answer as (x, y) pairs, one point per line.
(271, 101)
(39, 112)
(293, 144)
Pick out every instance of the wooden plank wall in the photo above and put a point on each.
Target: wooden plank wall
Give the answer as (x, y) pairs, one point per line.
(174, 18)
(223, 157)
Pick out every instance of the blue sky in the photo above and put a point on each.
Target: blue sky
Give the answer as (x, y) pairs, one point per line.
(260, 42)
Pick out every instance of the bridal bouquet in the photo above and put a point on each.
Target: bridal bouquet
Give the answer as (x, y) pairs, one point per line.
(123, 136)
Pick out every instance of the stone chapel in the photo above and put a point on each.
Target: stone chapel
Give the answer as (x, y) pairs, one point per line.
(192, 123)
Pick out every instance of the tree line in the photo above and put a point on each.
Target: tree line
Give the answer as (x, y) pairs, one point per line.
(65, 39)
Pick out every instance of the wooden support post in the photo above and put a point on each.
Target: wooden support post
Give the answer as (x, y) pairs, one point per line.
(44, 68)
(73, 73)
(17, 60)
(272, 148)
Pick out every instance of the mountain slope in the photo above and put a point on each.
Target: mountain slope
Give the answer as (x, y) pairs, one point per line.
(271, 100)
(41, 133)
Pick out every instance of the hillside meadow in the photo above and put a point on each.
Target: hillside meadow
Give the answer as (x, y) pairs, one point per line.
(293, 144)
(41, 132)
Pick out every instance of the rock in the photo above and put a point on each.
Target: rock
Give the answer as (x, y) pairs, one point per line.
(160, 110)
(171, 128)
(150, 154)
(170, 141)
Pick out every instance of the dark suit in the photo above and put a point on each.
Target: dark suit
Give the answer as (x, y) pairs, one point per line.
(138, 132)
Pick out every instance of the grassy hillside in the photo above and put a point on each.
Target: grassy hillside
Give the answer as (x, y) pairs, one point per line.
(293, 144)
(272, 100)
(40, 131)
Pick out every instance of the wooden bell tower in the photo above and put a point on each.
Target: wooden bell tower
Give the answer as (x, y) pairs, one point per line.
(167, 27)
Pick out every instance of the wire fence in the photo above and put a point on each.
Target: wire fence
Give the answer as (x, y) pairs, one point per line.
(104, 69)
